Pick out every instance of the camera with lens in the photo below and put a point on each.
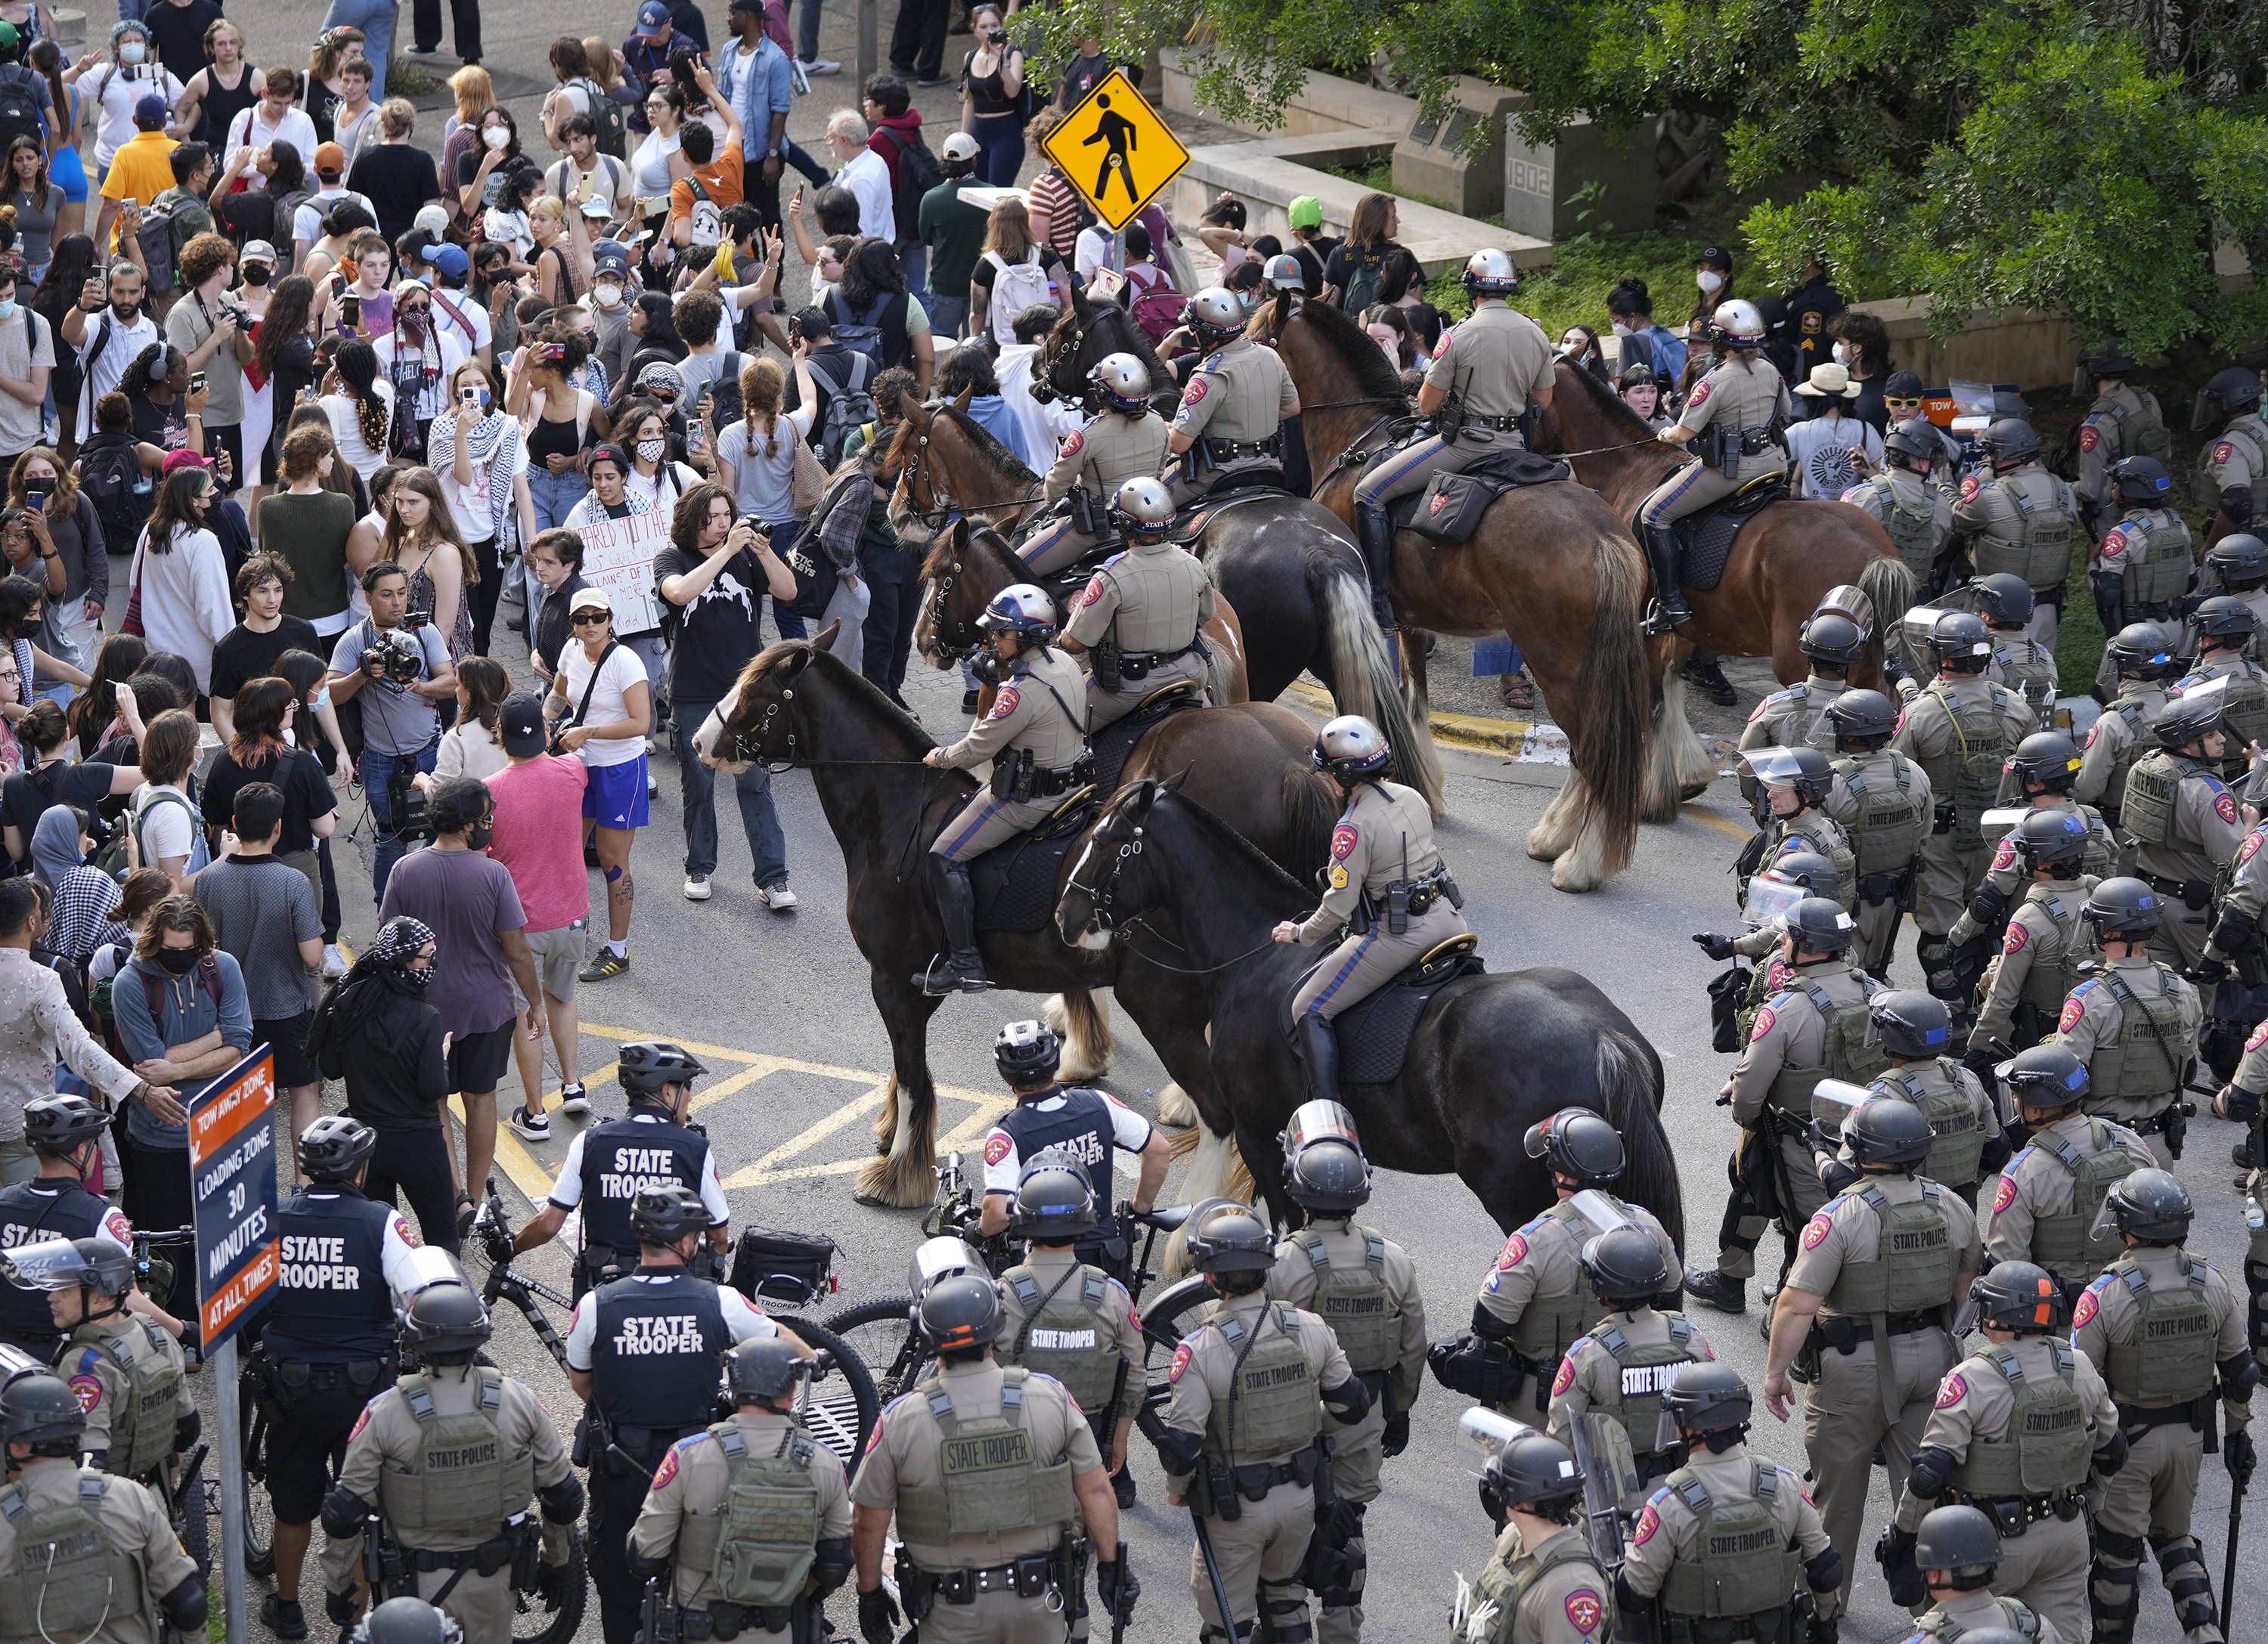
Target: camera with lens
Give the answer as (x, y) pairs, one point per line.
(405, 803)
(399, 657)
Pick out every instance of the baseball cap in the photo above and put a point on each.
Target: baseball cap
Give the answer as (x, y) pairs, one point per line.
(433, 219)
(746, 5)
(1715, 257)
(151, 107)
(11, 37)
(961, 145)
(519, 726)
(653, 17)
(592, 598)
(256, 251)
(330, 158)
(1304, 211)
(185, 459)
(598, 207)
(1902, 385)
(611, 256)
(450, 261)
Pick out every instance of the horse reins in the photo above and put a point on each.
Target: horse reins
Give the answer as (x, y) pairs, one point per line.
(945, 508)
(1103, 895)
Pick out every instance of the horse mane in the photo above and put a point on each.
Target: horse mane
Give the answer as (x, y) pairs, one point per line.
(839, 672)
(946, 545)
(987, 446)
(1258, 861)
(1608, 403)
(1372, 376)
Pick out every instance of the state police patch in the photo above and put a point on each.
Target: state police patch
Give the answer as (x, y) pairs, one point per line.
(1968, 488)
(2072, 1010)
(2005, 857)
(1648, 1522)
(2223, 452)
(1951, 1390)
(89, 1389)
(1005, 704)
(1765, 1021)
(2004, 1196)
(2245, 852)
(1344, 838)
(1584, 1610)
(1195, 391)
(1092, 591)
(2114, 545)
(1816, 1230)
(1515, 1252)
(1699, 396)
(996, 1148)
(2224, 806)
(2013, 942)
(667, 1470)
(2086, 1310)
(1180, 1362)
(1072, 445)
(2089, 438)
(2259, 1037)
(1565, 1379)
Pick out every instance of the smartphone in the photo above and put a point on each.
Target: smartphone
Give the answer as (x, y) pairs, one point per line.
(36, 501)
(469, 398)
(197, 382)
(350, 311)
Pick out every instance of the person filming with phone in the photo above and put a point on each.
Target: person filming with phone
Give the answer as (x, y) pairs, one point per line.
(398, 671)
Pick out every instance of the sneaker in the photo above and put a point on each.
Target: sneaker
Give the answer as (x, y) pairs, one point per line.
(818, 65)
(282, 1617)
(652, 786)
(529, 1127)
(608, 965)
(573, 1098)
(696, 887)
(778, 898)
(649, 748)
(334, 963)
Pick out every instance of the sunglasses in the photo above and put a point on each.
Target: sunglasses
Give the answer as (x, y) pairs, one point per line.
(590, 619)
(1903, 404)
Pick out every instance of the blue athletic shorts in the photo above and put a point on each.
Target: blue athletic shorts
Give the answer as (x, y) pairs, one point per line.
(614, 797)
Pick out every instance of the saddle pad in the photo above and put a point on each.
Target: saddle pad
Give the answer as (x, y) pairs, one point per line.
(1015, 882)
(1709, 535)
(1374, 1035)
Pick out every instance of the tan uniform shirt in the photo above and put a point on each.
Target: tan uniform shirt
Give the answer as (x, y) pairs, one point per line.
(1155, 595)
(1740, 393)
(1666, 1528)
(2045, 929)
(1927, 736)
(1117, 1327)
(1295, 1279)
(1847, 1232)
(1204, 1370)
(2093, 1018)
(2124, 724)
(2238, 459)
(2248, 886)
(1385, 834)
(1590, 1376)
(1568, 1602)
(1498, 359)
(2207, 828)
(2103, 438)
(1109, 450)
(1789, 1032)
(1242, 392)
(2006, 875)
(1988, 508)
(1975, 1402)
(1042, 708)
(2034, 1184)
(1544, 1260)
(100, 1383)
(136, 1524)
(2108, 1312)
(692, 1481)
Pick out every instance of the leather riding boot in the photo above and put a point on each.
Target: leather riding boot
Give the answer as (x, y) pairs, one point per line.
(1669, 608)
(1319, 1048)
(1374, 530)
(960, 969)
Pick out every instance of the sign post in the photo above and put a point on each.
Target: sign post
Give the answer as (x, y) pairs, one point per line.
(1115, 152)
(233, 1190)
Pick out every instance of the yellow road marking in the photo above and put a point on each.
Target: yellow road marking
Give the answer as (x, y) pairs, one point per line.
(1723, 824)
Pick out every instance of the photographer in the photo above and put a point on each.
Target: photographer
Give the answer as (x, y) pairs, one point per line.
(408, 671)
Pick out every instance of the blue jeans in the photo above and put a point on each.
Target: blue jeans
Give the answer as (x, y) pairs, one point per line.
(790, 625)
(375, 18)
(949, 316)
(376, 770)
(759, 815)
(1002, 155)
(807, 31)
(799, 158)
(553, 496)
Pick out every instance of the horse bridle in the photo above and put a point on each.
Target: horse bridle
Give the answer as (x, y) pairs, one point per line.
(940, 589)
(1102, 896)
(943, 505)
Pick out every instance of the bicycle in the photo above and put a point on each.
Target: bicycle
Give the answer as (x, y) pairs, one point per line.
(190, 1499)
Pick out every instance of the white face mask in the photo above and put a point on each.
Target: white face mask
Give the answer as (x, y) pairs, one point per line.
(1621, 330)
(131, 51)
(607, 296)
(496, 136)
(1710, 280)
(1843, 354)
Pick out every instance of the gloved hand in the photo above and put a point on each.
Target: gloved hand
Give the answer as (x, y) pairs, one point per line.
(2207, 973)
(2237, 1454)
(1492, 1504)
(1895, 1553)
(1716, 946)
(551, 1582)
(878, 1615)
(1396, 1436)
(1116, 1586)
(339, 1607)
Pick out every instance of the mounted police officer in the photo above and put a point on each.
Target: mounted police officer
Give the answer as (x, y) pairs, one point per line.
(1124, 441)
(1797, 716)
(1728, 1546)
(1365, 1287)
(2017, 1426)
(990, 1472)
(1543, 1583)
(85, 1557)
(2046, 942)
(127, 1372)
(2240, 560)
(1737, 415)
(642, 1351)
(1911, 508)
(1868, 1307)
(2021, 663)
(1143, 612)
(2185, 824)
(752, 1515)
(2226, 632)
(1230, 412)
(1886, 807)
(2132, 1021)
(610, 1163)
(327, 1343)
(1088, 1127)
(2124, 423)
(65, 1135)
(2143, 567)
(1964, 1120)
(1815, 1028)
(1534, 1303)
(2159, 1325)
(1251, 1387)
(1956, 1558)
(2234, 461)
(2022, 519)
(1496, 366)
(1630, 1356)
(2045, 1203)
(2143, 656)
(2038, 774)
(454, 1457)
(1035, 738)
(1793, 785)
(1386, 888)
(1959, 731)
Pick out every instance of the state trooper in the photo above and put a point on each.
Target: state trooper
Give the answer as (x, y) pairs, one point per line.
(1035, 738)
(2046, 942)
(1229, 421)
(85, 1556)
(65, 1135)
(1735, 418)
(1543, 1583)
(2234, 942)
(2235, 459)
(2143, 656)
(2185, 824)
(2123, 423)
(1798, 716)
(2159, 1325)
(2132, 1021)
(1625, 1363)
(127, 1372)
(1251, 1386)
(1774, 889)
(1533, 1305)
(990, 1471)
(452, 1457)
(2226, 632)
(2039, 775)
(2045, 1203)
(1815, 1028)
(1886, 807)
(1901, 497)
(610, 1163)
(1088, 1127)
(2021, 519)
(1124, 440)
(2143, 564)
(2240, 560)
(1365, 1287)
(1792, 785)
(327, 1343)
(1727, 1540)
(1387, 889)
(2016, 1428)
(750, 1518)
(2021, 663)
(643, 1353)
(1956, 1559)
(406, 1621)
(1958, 730)
(1964, 1120)
(1488, 376)
(1143, 613)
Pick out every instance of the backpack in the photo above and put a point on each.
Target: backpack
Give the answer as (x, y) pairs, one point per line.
(861, 333)
(607, 114)
(155, 235)
(919, 172)
(725, 395)
(111, 859)
(1157, 305)
(847, 406)
(1362, 285)
(19, 107)
(706, 219)
(111, 476)
(154, 987)
(1016, 286)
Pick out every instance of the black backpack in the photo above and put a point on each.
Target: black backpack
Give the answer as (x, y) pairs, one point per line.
(19, 107)
(111, 475)
(919, 172)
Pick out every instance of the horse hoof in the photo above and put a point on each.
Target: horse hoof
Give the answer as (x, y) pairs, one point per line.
(1691, 790)
(1574, 880)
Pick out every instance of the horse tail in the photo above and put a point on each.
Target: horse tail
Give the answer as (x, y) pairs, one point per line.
(1629, 1087)
(1889, 583)
(1363, 675)
(1609, 743)
(1311, 811)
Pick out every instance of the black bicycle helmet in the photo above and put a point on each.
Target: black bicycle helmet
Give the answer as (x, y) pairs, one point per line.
(1911, 1023)
(1232, 1241)
(1055, 1202)
(1864, 720)
(57, 1126)
(1819, 925)
(2242, 561)
(41, 1408)
(1711, 1397)
(2046, 759)
(1832, 640)
(407, 1620)
(1580, 1145)
(667, 1213)
(763, 1367)
(2046, 1077)
(2046, 838)
(2140, 650)
(1887, 1130)
(2185, 720)
(2003, 599)
(1960, 642)
(1963, 1542)
(2010, 440)
(2019, 1296)
(335, 1147)
(643, 1067)
(2226, 617)
(446, 1323)
(2122, 910)
(1625, 1267)
(1536, 1472)
(1027, 1053)
(2151, 1206)
(2142, 479)
(960, 1316)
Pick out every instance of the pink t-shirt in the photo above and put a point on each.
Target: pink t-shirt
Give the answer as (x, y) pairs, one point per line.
(538, 838)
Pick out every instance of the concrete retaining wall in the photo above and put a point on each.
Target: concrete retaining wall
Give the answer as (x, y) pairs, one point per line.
(2024, 346)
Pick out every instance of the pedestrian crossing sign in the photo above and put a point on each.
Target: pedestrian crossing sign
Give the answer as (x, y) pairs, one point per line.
(1114, 149)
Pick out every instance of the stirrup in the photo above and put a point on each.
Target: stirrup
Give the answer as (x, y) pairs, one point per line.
(1659, 621)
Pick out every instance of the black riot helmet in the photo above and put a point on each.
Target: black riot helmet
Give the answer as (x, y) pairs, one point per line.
(2046, 1077)
(1055, 1202)
(1803, 769)
(1863, 721)
(2052, 839)
(762, 1368)
(1536, 1474)
(2226, 617)
(57, 1126)
(1910, 1024)
(1818, 926)
(960, 1316)
(1712, 1399)
(1914, 443)
(2110, 360)
(407, 1620)
(1580, 1145)
(1832, 640)
(2242, 561)
(1231, 1247)
(2010, 442)
(2019, 1296)
(1027, 1053)
(2003, 599)
(2151, 1206)
(2046, 761)
(1625, 1267)
(1324, 1169)
(336, 1148)
(1963, 1542)
(40, 1409)
(1887, 1132)
(2188, 719)
(2226, 393)
(1960, 642)
(2122, 910)
(667, 1213)
(446, 1323)
(643, 1067)
(2142, 479)
(2140, 650)
(1806, 868)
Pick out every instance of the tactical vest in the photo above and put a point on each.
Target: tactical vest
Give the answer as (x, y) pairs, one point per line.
(994, 1479)
(1355, 1303)
(2046, 1449)
(1889, 827)
(71, 1578)
(1972, 766)
(463, 1478)
(2030, 675)
(760, 1545)
(1807, 827)
(1957, 1155)
(1080, 1128)
(1274, 1406)
(2145, 1063)
(655, 1350)
(624, 1158)
(1646, 1375)
(141, 1428)
(1911, 527)
(1740, 1564)
(2047, 520)
(2130, 711)
(31, 1211)
(2148, 810)
(1914, 1257)
(2158, 563)
(1496, 1592)
(332, 1304)
(2249, 430)
(1846, 1053)
(1062, 1333)
(2052, 976)
(2063, 1241)
(2018, 1619)
(2141, 430)
(2167, 1359)
(1548, 1324)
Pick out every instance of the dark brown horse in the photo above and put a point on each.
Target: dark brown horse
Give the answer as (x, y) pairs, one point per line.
(1782, 561)
(797, 705)
(1550, 566)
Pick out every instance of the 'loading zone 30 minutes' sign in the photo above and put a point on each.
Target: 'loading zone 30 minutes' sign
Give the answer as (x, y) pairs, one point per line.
(233, 1185)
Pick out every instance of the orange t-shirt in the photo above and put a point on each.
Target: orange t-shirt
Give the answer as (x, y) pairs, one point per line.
(720, 178)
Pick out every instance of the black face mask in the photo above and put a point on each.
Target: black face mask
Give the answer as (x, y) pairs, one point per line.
(417, 980)
(177, 961)
(479, 838)
(257, 276)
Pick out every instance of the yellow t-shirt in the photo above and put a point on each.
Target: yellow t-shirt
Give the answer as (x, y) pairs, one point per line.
(140, 171)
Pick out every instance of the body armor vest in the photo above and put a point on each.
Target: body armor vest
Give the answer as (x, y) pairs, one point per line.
(1957, 1157)
(2249, 430)
(2146, 810)
(2048, 518)
(1355, 1303)
(1971, 777)
(655, 1349)
(2018, 1619)
(1646, 1376)
(1548, 1324)
(1914, 1258)
(2159, 573)
(1887, 831)
(1910, 526)
(1080, 1128)
(2065, 1242)
(2046, 1449)
(1741, 1565)
(761, 1544)
(2167, 1359)
(2142, 430)
(622, 1158)
(2030, 672)
(1498, 1588)
(2052, 977)
(1819, 833)
(2145, 1062)
(994, 1479)
(332, 1303)
(1061, 1334)
(1274, 1406)
(31, 1211)
(1846, 1053)
(2132, 713)
(463, 1478)
(142, 1431)
(70, 1578)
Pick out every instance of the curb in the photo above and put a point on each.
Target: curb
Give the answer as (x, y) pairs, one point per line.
(1463, 730)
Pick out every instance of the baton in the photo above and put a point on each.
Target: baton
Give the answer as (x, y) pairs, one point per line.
(1118, 1605)
(2228, 1570)
(1213, 1574)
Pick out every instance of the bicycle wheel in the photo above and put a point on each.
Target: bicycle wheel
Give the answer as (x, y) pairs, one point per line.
(843, 1408)
(883, 1334)
(259, 1512)
(193, 1517)
(538, 1621)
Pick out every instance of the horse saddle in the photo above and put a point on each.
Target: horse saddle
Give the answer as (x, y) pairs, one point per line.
(1233, 491)
(1705, 536)
(1374, 1035)
(1448, 510)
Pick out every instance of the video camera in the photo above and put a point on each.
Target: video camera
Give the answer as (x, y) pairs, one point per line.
(399, 657)
(405, 803)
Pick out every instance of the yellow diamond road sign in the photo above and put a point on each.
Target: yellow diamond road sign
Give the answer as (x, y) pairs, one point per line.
(1116, 150)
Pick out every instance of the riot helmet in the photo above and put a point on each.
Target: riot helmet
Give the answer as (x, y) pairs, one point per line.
(1963, 1542)
(57, 1126)
(1580, 1145)
(2141, 650)
(1815, 925)
(2047, 1078)
(2226, 394)
(2142, 479)
(2227, 618)
(407, 1620)
(1625, 1268)
(1055, 1202)
(2019, 1296)
(1326, 1174)
(643, 1067)
(2188, 719)
(1229, 1241)
(1713, 1400)
(2110, 360)
(2003, 599)
(97, 1264)
(2045, 761)
(1027, 1054)
(1802, 769)
(761, 1368)
(2010, 442)
(1537, 1474)
(446, 1323)
(2242, 561)
(1914, 443)
(1888, 1132)
(2151, 1206)
(1863, 721)
(1959, 643)
(1910, 1024)
(2052, 839)
(336, 1148)
(40, 1409)
(960, 1316)
(2122, 910)
(1351, 748)
(1832, 640)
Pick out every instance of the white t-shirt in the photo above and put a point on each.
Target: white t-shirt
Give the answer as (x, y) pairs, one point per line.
(468, 503)
(346, 428)
(308, 221)
(567, 1191)
(609, 702)
(168, 830)
(1817, 450)
(250, 129)
(467, 750)
(650, 165)
(120, 89)
(1092, 252)
(475, 331)
(108, 369)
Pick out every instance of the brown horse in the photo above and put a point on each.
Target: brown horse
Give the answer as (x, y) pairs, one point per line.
(1550, 566)
(1783, 562)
